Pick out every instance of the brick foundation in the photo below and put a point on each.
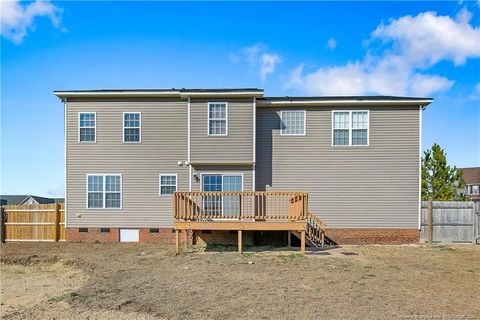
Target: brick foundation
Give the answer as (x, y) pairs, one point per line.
(373, 235)
(164, 235)
(167, 236)
(93, 234)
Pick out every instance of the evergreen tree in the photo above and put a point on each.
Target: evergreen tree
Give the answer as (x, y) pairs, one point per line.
(439, 180)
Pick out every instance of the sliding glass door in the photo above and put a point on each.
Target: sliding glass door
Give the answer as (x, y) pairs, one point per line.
(222, 206)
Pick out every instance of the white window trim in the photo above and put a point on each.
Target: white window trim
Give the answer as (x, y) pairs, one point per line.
(95, 127)
(139, 127)
(226, 119)
(104, 191)
(160, 183)
(242, 174)
(350, 129)
(304, 123)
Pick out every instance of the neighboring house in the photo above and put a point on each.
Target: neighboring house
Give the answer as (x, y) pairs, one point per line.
(128, 151)
(472, 181)
(27, 199)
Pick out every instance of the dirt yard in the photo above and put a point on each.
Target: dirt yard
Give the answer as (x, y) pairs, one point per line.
(138, 281)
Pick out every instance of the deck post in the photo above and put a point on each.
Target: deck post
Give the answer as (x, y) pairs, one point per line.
(177, 244)
(302, 243)
(239, 241)
(289, 238)
(185, 244)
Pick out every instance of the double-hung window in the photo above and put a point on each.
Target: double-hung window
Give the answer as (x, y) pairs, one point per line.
(350, 128)
(293, 123)
(104, 191)
(132, 127)
(87, 127)
(168, 184)
(217, 119)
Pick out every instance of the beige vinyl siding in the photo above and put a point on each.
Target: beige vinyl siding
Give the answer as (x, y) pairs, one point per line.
(236, 147)
(164, 143)
(357, 186)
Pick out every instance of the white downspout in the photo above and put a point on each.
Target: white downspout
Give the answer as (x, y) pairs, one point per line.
(254, 141)
(420, 170)
(188, 156)
(65, 101)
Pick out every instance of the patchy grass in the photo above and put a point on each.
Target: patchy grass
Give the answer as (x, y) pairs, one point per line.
(139, 281)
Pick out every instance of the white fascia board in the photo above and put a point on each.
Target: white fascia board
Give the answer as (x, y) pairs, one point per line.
(222, 94)
(342, 102)
(73, 94)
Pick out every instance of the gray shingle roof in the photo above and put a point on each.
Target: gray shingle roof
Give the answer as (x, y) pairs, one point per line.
(19, 198)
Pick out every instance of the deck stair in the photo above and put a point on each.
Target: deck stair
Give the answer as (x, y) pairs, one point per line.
(315, 232)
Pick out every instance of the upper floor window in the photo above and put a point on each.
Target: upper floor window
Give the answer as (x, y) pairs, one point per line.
(168, 184)
(104, 191)
(217, 119)
(132, 122)
(293, 123)
(350, 128)
(473, 189)
(87, 127)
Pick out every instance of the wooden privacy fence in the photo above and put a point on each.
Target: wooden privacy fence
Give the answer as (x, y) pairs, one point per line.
(44, 222)
(450, 222)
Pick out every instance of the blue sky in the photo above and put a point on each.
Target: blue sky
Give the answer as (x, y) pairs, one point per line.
(311, 48)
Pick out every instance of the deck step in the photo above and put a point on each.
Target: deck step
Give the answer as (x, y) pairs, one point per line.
(315, 232)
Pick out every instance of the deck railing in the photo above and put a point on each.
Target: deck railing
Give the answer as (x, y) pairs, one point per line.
(209, 206)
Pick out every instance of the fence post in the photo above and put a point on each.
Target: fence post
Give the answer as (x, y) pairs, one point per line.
(2, 225)
(57, 221)
(430, 220)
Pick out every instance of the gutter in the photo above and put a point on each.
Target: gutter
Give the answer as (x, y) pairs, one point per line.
(153, 94)
(272, 103)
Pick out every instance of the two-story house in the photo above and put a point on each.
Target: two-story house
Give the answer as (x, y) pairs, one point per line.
(471, 176)
(230, 155)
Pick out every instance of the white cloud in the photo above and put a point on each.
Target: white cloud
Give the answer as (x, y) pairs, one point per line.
(268, 62)
(258, 56)
(476, 92)
(17, 19)
(296, 79)
(417, 43)
(331, 43)
(253, 53)
(427, 38)
(387, 75)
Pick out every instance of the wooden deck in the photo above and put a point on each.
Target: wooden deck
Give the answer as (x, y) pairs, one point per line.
(246, 211)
